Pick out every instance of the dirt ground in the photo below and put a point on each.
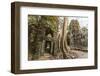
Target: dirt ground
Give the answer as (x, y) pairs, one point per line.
(80, 54)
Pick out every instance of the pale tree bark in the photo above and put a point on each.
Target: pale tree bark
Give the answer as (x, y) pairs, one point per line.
(62, 39)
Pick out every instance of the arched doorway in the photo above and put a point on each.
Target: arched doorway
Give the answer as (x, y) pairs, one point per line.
(49, 44)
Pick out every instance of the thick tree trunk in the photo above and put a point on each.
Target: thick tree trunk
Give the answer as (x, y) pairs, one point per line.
(62, 40)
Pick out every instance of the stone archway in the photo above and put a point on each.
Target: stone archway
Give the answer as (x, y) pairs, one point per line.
(49, 44)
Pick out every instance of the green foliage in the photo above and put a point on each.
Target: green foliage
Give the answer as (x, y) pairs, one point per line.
(32, 20)
(44, 21)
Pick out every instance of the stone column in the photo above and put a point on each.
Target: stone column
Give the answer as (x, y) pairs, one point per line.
(51, 50)
(42, 48)
(43, 43)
